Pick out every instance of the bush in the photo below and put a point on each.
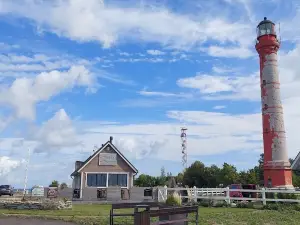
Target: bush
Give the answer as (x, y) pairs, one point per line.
(282, 207)
(174, 199)
(221, 204)
(271, 196)
(249, 205)
(206, 203)
(212, 203)
(287, 196)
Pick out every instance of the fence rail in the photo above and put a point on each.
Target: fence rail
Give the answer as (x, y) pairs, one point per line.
(227, 194)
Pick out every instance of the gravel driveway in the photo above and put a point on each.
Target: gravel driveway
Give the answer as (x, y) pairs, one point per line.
(20, 221)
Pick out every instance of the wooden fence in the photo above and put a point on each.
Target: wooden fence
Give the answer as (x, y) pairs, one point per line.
(227, 194)
(134, 209)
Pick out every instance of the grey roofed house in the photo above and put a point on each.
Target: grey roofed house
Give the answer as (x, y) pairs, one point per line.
(106, 167)
(296, 163)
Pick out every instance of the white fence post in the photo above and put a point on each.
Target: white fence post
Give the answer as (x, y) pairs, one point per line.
(228, 195)
(165, 192)
(159, 197)
(263, 195)
(195, 194)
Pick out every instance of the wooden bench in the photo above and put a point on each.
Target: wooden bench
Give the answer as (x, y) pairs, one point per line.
(144, 218)
(133, 206)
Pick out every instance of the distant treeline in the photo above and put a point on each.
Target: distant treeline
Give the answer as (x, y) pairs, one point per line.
(200, 175)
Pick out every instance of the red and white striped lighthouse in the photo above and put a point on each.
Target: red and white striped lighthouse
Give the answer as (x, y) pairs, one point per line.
(277, 170)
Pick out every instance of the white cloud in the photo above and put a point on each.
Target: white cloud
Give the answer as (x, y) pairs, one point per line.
(55, 134)
(219, 107)
(230, 52)
(247, 87)
(24, 93)
(7, 165)
(125, 53)
(155, 52)
(93, 21)
(205, 129)
(210, 84)
(18, 65)
(209, 133)
(222, 70)
(163, 94)
(6, 47)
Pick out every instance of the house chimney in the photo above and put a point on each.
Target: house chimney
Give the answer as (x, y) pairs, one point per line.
(78, 164)
(111, 139)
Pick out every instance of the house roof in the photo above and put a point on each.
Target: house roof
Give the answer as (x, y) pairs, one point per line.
(296, 163)
(89, 159)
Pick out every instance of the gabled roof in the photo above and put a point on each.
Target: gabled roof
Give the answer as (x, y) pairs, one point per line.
(89, 159)
(296, 163)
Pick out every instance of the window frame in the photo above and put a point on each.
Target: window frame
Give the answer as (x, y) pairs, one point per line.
(96, 186)
(117, 174)
(107, 176)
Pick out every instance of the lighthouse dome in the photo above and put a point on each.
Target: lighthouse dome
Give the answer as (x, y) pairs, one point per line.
(266, 27)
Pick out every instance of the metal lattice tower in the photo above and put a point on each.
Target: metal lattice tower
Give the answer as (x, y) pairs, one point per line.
(184, 147)
(26, 172)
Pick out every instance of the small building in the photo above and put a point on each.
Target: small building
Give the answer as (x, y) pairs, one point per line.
(107, 167)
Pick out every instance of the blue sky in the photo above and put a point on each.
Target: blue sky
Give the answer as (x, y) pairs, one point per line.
(75, 72)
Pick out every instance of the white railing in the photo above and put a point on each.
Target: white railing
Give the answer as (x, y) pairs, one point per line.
(227, 194)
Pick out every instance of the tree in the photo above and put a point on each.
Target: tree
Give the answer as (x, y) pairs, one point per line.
(260, 169)
(162, 172)
(195, 176)
(63, 186)
(228, 174)
(54, 183)
(213, 176)
(145, 181)
(179, 178)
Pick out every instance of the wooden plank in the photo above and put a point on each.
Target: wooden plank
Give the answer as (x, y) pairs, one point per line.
(133, 205)
(173, 211)
(169, 222)
(124, 214)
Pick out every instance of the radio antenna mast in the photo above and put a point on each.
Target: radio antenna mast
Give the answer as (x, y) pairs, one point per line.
(184, 147)
(26, 173)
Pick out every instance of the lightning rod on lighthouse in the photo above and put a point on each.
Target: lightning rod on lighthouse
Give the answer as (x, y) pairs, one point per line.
(184, 147)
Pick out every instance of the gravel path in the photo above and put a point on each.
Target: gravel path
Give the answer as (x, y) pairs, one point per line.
(21, 221)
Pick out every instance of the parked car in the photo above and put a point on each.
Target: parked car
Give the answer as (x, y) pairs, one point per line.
(6, 190)
(240, 194)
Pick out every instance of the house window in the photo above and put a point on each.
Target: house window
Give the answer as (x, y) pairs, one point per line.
(117, 180)
(96, 180)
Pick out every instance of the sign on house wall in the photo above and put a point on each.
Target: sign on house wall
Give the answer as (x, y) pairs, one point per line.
(108, 159)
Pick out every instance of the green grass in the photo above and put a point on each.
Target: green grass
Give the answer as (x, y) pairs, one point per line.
(98, 215)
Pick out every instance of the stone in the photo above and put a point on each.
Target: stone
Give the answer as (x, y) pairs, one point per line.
(45, 204)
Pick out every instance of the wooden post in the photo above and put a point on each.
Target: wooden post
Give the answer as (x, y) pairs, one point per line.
(197, 217)
(142, 218)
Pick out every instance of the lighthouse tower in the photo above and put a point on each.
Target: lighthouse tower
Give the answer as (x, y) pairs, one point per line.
(277, 169)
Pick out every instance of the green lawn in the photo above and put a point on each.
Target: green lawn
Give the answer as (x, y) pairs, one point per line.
(98, 215)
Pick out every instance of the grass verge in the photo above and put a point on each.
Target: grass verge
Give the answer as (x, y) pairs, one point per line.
(98, 215)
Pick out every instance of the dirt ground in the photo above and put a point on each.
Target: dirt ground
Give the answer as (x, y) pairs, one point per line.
(20, 221)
